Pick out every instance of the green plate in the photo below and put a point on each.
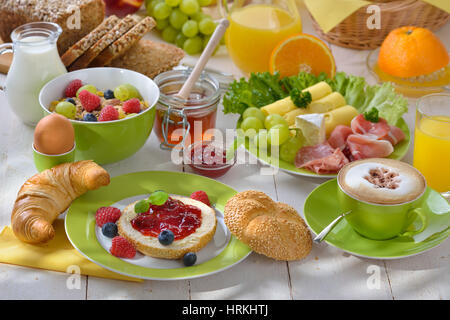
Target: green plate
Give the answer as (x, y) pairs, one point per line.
(223, 252)
(321, 207)
(400, 151)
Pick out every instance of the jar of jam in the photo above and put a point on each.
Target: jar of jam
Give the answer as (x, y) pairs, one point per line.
(185, 120)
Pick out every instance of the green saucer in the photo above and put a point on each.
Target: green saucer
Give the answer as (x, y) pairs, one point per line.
(221, 253)
(321, 207)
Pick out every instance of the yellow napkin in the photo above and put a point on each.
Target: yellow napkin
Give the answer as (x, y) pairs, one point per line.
(329, 13)
(56, 255)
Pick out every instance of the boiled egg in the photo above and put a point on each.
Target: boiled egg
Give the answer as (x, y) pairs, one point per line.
(54, 134)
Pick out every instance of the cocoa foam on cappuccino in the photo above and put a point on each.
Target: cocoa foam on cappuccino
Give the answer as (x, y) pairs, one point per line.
(381, 181)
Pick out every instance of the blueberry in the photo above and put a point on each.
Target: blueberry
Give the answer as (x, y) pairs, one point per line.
(109, 229)
(108, 94)
(71, 101)
(89, 117)
(166, 237)
(189, 259)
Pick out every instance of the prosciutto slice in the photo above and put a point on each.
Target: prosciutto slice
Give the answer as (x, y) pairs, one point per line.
(379, 129)
(395, 135)
(338, 137)
(368, 146)
(321, 159)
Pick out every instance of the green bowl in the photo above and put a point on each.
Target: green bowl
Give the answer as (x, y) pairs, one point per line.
(108, 141)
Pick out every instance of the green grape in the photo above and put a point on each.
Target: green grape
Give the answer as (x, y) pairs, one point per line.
(88, 87)
(251, 126)
(278, 134)
(162, 11)
(199, 16)
(190, 28)
(66, 109)
(150, 6)
(193, 45)
(125, 92)
(260, 140)
(158, 198)
(207, 26)
(204, 3)
(289, 149)
(162, 24)
(177, 18)
(189, 6)
(180, 39)
(169, 34)
(254, 112)
(173, 3)
(142, 206)
(274, 119)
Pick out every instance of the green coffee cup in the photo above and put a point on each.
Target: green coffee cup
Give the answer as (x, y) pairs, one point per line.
(44, 161)
(382, 221)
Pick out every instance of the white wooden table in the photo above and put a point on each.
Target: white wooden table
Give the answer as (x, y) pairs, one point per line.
(327, 273)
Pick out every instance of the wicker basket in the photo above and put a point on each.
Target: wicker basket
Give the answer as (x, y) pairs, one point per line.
(353, 32)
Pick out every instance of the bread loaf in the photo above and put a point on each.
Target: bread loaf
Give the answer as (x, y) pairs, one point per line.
(150, 58)
(14, 13)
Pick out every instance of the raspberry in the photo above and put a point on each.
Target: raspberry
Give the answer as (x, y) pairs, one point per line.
(89, 100)
(201, 196)
(132, 106)
(106, 214)
(122, 248)
(108, 113)
(72, 88)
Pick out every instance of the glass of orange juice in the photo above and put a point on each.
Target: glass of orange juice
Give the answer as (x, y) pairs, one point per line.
(256, 27)
(432, 140)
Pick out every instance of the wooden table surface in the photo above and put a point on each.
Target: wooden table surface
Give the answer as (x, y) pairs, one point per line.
(327, 273)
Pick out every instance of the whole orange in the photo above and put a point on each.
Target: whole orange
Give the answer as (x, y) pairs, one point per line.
(411, 51)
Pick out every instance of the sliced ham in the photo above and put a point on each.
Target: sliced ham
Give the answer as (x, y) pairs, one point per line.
(338, 136)
(360, 125)
(321, 159)
(395, 135)
(368, 146)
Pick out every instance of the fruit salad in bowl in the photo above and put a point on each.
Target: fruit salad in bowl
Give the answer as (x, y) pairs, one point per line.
(84, 102)
(111, 109)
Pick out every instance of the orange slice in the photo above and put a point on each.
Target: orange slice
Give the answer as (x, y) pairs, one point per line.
(302, 52)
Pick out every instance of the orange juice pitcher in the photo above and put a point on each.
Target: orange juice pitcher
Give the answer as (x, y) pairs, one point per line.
(256, 27)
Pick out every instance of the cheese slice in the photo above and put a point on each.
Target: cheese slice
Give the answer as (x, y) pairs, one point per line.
(313, 128)
(330, 102)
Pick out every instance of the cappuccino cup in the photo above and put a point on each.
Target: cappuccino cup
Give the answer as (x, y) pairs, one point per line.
(383, 196)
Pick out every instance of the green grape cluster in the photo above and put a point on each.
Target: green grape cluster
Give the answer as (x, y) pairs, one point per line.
(272, 131)
(182, 22)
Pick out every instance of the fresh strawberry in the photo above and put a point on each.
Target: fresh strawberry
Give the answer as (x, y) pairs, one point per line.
(132, 106)
(72, 88)
(201, 196)
(122, 248)
(106, 214)
(89, 100)
(108, 113)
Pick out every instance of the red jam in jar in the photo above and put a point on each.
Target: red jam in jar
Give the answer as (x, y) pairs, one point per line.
(174, 215)
(209, 160)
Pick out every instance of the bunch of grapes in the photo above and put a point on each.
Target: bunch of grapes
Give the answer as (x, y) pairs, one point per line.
(271, 130)
(182, 22)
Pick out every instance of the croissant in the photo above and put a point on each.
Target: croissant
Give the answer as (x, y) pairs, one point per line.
(271, 228)
(46, 195)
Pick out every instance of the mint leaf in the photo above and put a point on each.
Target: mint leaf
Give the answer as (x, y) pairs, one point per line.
(142, 206)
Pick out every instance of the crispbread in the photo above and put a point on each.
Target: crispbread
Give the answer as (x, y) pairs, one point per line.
(126, 41)
(150, 246)
(75, 51)
(149, 58)
(115, 33)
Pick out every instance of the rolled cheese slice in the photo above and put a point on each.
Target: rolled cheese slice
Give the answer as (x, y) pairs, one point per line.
(342, 115)
(319, 90)
(280, 107)
(330, 102)
(291, 115)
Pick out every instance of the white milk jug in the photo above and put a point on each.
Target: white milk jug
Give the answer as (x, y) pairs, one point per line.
(35, 62)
